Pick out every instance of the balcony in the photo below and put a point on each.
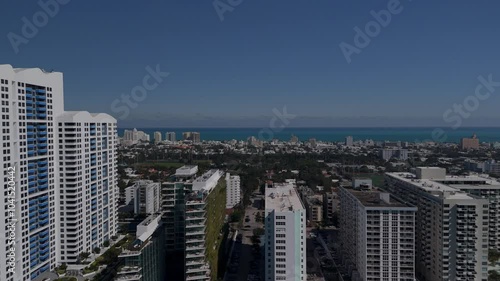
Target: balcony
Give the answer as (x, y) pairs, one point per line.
(41, 115)
(40, 91)
(32, 190)
(40, 98)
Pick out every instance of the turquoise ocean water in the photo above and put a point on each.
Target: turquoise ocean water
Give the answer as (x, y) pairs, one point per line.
(332, 134)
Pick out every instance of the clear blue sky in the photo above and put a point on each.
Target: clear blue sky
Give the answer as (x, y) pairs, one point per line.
(264, 55)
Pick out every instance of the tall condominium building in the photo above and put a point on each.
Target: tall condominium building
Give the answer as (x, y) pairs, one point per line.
(470, 143)
(131, 137)
(146, 195)
(174, 207)
(170, 136)
(87, 182)
(349, 141)
(192, 136)
(452, 226)
(330, 205)
(157, 137)
(64, 181)
(144, 259)
(477, 186)
(398, 153)
(377, 236)
(233, 196)
(194, 206)
(285, 230)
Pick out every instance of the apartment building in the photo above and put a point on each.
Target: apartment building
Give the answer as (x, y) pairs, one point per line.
(174, 207)
(157, 137)
(397, 153)
(190, 203)
(469, 143)
(314, 208)
(192, 136)
(170, 136)
(65, 187)
(330, 205)
(144, 259)
(452, 226)
(285, 231)
(377, 236)
(146, 195)
(88, 185)
(233, 185)
(479, 186)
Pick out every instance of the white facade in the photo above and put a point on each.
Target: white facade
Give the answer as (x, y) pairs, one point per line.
(349, 141)
(233, 195)
(53, 173)
(207, 181)
(170, 136)
(285, 235)
(134, 137)
(388, 153)
(377, 236)
(157, 137)
(147, 197)
(186, 171)
(87, 153)
(451, 238)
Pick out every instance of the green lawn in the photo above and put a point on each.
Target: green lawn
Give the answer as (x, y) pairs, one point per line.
(160, 164)
(216, 208)
(377, 179)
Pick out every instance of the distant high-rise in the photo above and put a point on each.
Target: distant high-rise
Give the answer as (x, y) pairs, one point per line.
(451, 235)
(134, 137)
(233, 196)
(191, 136)
(170, 136)
(157, 137)
(349, 141)
(377, 235)
(285, 231)
(469, 143)
(64, 181)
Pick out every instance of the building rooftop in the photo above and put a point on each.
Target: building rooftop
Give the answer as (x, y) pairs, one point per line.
(377, 199)
(283, 197)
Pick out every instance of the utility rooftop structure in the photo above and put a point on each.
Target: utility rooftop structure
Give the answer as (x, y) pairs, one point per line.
(186, 171)
(282, 197)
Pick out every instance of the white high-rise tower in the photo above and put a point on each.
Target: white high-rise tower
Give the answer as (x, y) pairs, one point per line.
(64, 176)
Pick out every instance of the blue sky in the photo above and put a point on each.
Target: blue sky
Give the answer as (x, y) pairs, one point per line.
(264, 55)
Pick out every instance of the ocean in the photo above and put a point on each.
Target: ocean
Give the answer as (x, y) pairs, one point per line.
(332, 134)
